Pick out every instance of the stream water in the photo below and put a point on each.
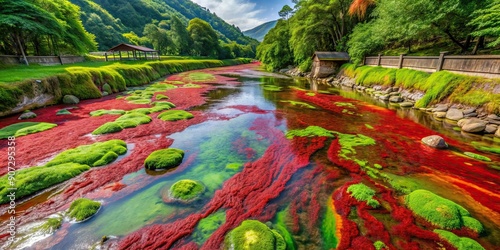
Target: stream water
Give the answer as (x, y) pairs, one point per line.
(238, 148)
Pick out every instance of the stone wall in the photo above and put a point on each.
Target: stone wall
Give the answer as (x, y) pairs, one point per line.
(43, 60)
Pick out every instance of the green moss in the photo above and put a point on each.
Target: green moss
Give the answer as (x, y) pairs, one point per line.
(253, 234)
(329, 227)
(348, 142)
(310, 131)
(141, 101)
(461, 243)
(234, 166)
(378, 166)
(63, 112)
(477, 157)
(106, 87)
(473, 224)
(439, 211)
(31, 180)
(379, 245)
(272, 88)
(24, 128)
(192, 86)
(108, 128)
(164, 159)
(136, 118)
(107, 158)
(361, 192)
(401, 184)
(368, 126)
(175, 115)
(102, 112)
(300, 104)
(207, 226)
(91, 155)
(344, 104)
(83, 208)
(161, 97)
(186, 190)
(310, 94)
(480, 147)
(200, 76)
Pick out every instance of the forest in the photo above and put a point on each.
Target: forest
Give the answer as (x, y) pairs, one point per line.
(368, 27)
(61, 27)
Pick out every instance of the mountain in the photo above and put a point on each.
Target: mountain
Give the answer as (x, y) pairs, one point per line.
(260, 31)
(109, 19)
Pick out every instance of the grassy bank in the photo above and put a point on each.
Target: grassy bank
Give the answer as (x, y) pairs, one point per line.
(85, 80)
(439, 87)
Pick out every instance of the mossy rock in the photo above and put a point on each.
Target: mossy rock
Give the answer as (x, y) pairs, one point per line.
(102, 112)
(108, 128)
(175, 115)
(137, 118)
(184, 191)
(477, 156)
(361, 192)
(25, 128)
(461, 243)
(164, 159)
(97, 154)
(63, 112)
(441, 212)
(70, 99)
(82, 209)
(107, 88)
(253, 234)
(310, 131)
(161, 97)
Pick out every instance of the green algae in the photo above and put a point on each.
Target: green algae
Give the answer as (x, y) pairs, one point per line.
(192, 86)
(164, 159)
(200, 77)
(378, 166)
(401, 184)
(63, 112)
(310, 131)
(272, 88)
(368, 126)
(207, 226)
(461, 243)
(108, 128)
(379, 245)
(281, 227)
(92, 155)
(25, 128)
(477, 156)
(348, 142)
(253, 234)
(329, 227)
(310, 94)
(299, 104)
(186, 190)
(234, 166)
(83, 208)
(441, 212)
(345, 104)
(484, 148)
(175, 115)
(361, 192)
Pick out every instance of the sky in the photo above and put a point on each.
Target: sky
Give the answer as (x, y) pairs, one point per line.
(246, 14)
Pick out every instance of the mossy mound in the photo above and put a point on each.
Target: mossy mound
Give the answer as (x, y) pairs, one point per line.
(461, 243)
(83, 208)
(200, 76)
(253, 234)
(137, 118)
(97, 154)
(207, 226)
(34, 179)
(300, 104)
(164, 159)
(192, 86)
(141, 101)
(361, 192)
(272, 88)
(441, 212)
(310, 131)
(108, 128)
(25, 128)
(63, 112)
(102, 112)
(175, 115)
(161, 97)
(184, 191)
(477, 156)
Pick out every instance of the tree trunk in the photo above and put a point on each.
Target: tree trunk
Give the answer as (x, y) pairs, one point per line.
(467, 43)
(22, 50)
(455, 40)
(479, 44)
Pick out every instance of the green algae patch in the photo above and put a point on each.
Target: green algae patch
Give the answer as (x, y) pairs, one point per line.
(141, 101)
(51, 225)
(401, 184)
(348, 142)
(283, 229)
(83, 208)
(361, 192)
(186, 190)
(93, 155)
(253, 234)
(441, 212)
(310, 94)
(102, 112)
(300, 104)
(161, 97)
(368, 126)
(329, 227)
(63, 112)
(34, 179)
(234, 166)
(461, 243)
(200, 76)
(164, 159)
(25, 128)
(379, 245)
(108, 128)
(175, 115)
(272, 88)
(477, 156)
(207, 226)
(192, 86)
(487, 149)
(310, 131)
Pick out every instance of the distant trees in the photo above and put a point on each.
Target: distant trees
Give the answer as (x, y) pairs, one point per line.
(204, 37)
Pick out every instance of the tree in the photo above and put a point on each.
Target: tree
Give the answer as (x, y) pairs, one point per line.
(360, 7)
(158, 37)
(204, 37)
(487, 22)
(182, 39)
(275, 51)
(285, 12)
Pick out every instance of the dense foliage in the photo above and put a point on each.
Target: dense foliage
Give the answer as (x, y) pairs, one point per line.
(364, 27)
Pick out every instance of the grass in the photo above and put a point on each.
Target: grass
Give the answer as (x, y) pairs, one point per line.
(25, 128)
(461, 243)
(361, 192)
(82, 209)
(200, 77)
(253, 234)
(186, 190)
(164, 159)
(93, 155)
(51, 225)
(175, 115)
(441, 212)
(310, 131)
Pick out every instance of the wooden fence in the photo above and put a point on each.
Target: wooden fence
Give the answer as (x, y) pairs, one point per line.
(44, 60)
(484, 65)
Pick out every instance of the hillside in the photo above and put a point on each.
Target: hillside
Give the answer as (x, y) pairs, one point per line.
(109, 19)
(260, 31)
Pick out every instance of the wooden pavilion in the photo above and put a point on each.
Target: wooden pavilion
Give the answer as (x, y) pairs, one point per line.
(137, 52)
(326, 63)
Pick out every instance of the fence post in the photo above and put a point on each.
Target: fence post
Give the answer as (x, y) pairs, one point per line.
(441, 60)
(60, 60)
(401, 58)
(379, 60)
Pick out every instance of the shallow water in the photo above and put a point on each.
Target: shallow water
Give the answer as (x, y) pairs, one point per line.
(298, 185)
